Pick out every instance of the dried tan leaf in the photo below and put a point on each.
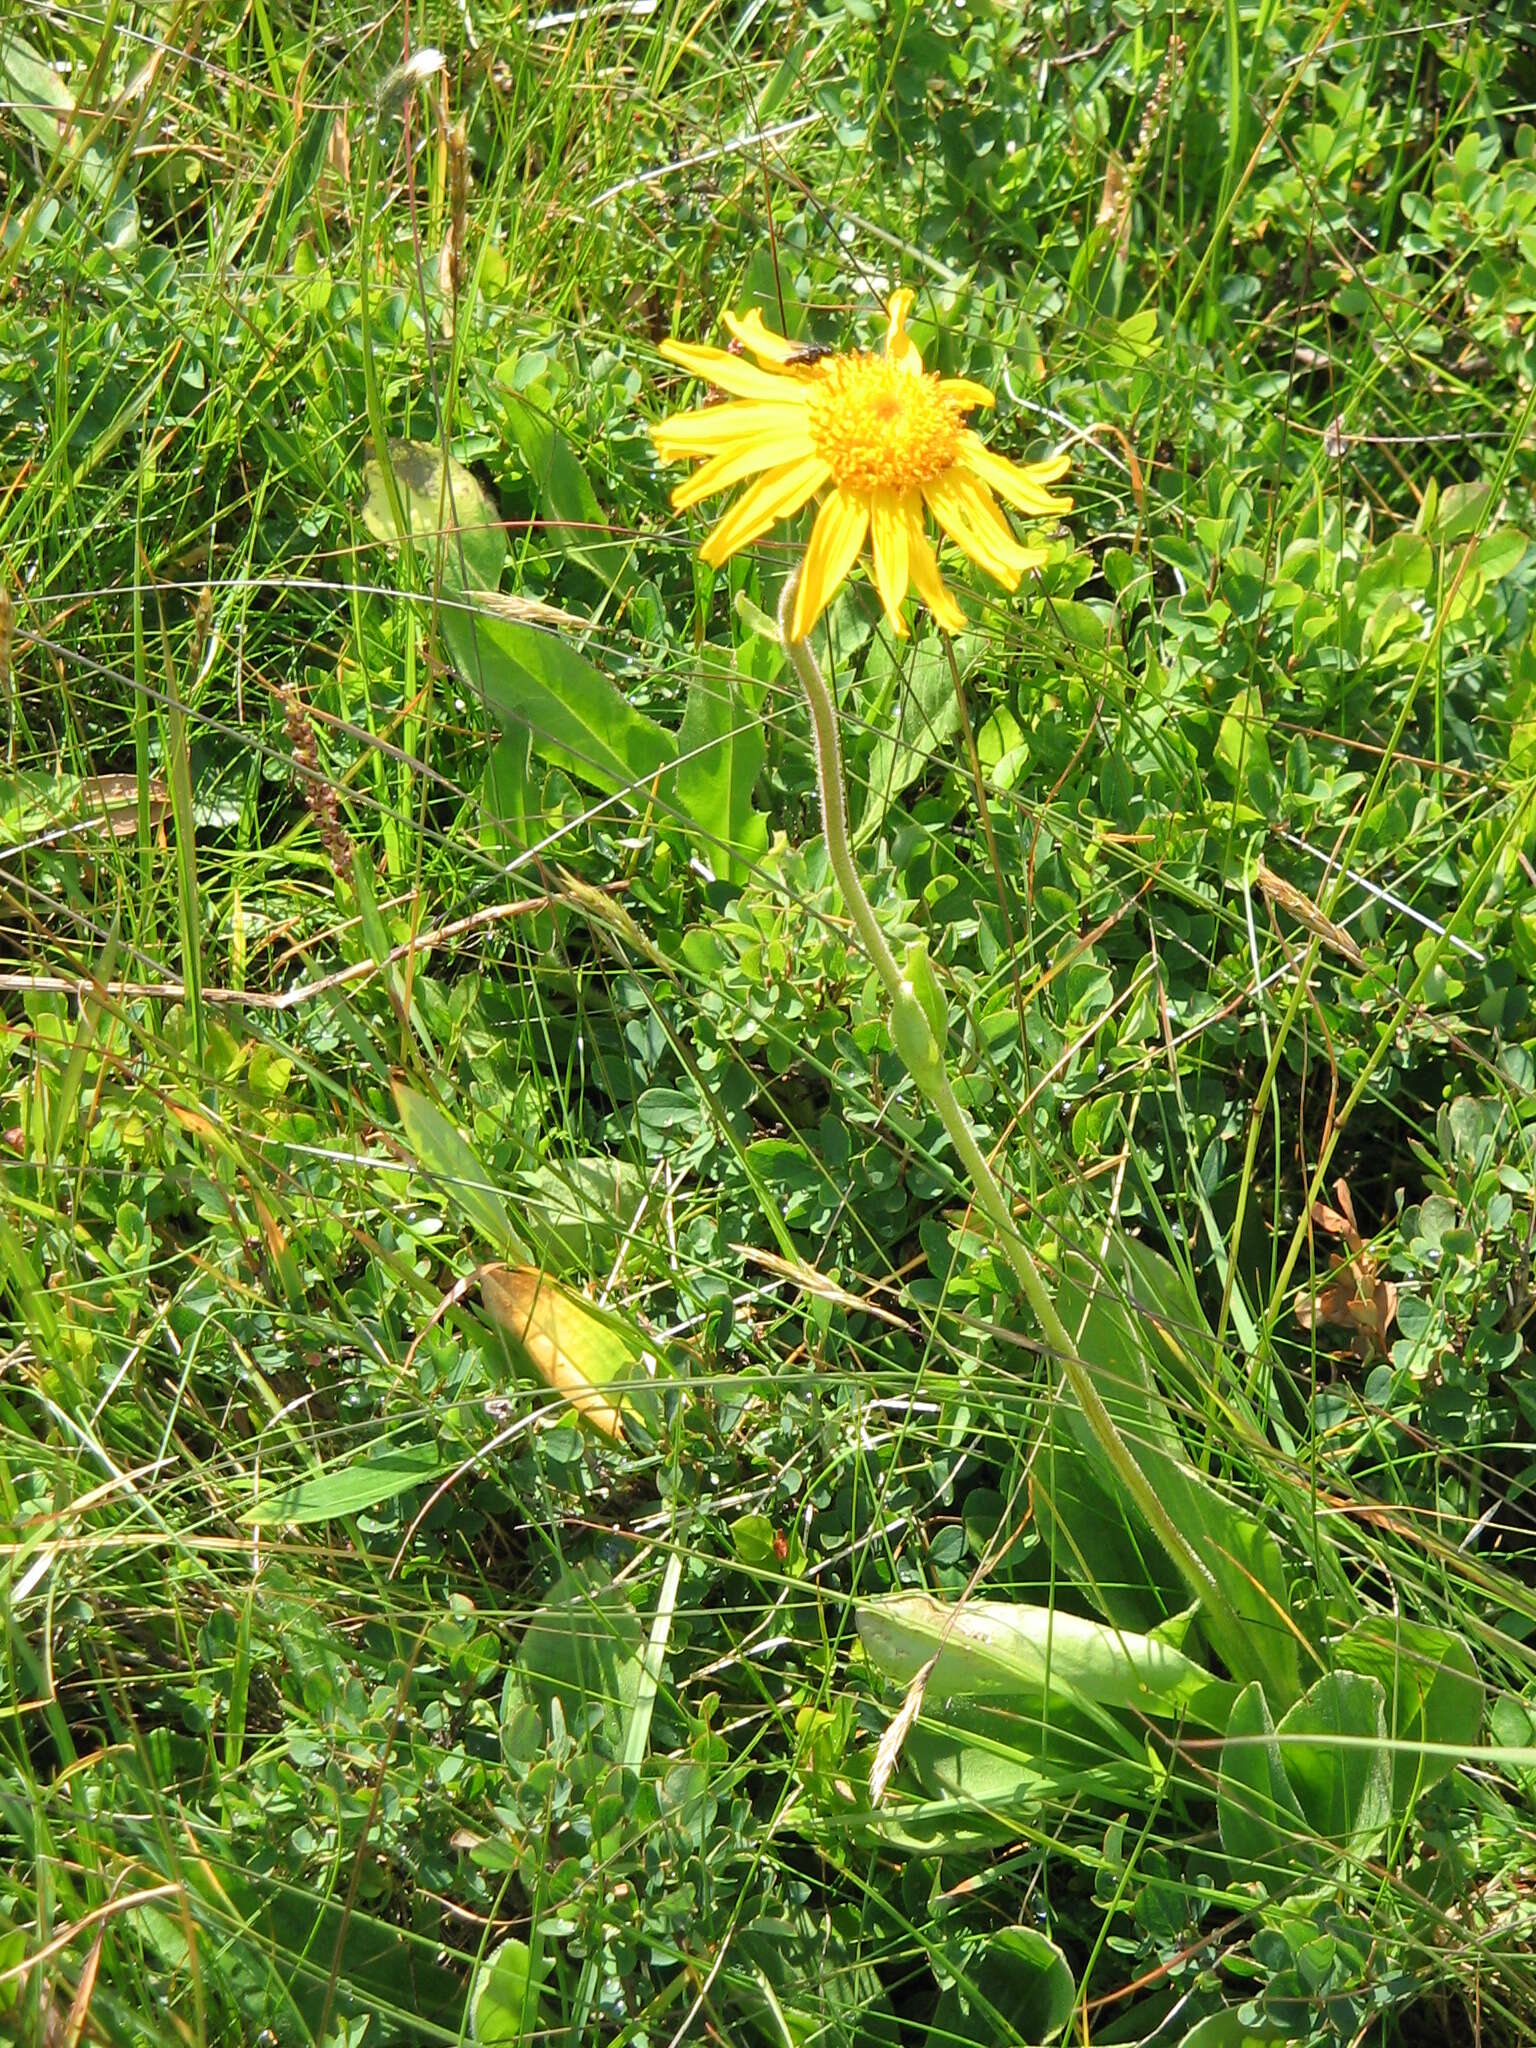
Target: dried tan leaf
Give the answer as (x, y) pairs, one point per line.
(1113, 200)
(1354, 1296)
(1346, 1202)
(888, 1754)
(338, 153)
(1306, 912)
(80, 2005)
(811, 1281)
(1335, 1225)
(530, 611)
(110, 805)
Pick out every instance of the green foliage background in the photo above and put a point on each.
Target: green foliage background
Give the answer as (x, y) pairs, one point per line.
(409, 865)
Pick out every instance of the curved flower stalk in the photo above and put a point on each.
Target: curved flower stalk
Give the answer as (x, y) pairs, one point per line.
(881, 438)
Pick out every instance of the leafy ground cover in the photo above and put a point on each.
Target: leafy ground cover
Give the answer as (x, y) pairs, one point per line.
(530, 1507)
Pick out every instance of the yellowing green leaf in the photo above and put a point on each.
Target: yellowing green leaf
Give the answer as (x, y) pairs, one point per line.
(1242, 745)
(445, 507)
(586, 1355)
(1135, 337)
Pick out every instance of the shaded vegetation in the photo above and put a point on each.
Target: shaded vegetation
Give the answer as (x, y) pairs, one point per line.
(412, 882)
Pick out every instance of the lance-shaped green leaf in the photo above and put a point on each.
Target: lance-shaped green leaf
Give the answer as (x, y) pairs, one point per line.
(1231, 2030)
(567, 500)
(914, 719)
(720, 753)
(584, 1647)
(453, 1163)
(504, 2000)
(1434, 1695)
(989, 1648)
(38, 97)
(1333, 1743)
(1096, 1538)
(536, 682)
(1018, 1978)
(1117, 1342)
(364, 1479)
(1262, 1826)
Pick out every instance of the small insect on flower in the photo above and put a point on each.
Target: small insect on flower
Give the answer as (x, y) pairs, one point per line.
(877, 438)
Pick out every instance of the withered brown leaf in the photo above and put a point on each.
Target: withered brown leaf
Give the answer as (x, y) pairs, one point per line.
(1355, 1296)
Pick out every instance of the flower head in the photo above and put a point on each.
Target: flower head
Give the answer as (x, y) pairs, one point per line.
(879, 437)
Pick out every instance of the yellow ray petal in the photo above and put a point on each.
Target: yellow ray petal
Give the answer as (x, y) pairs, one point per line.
(722, 429)
(750, 331)
(1022, 484)
(835, 541)
(899, 345)
(980, 543)
(968, 513)
(771, 498)
(966, 394)
(721, 471)
(730, 373)
(892, 521)
(930, 585)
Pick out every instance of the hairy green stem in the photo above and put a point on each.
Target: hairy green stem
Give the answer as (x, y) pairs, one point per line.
(932, 1077)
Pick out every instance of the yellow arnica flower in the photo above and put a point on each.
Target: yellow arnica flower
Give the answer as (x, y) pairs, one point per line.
(879, 437)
